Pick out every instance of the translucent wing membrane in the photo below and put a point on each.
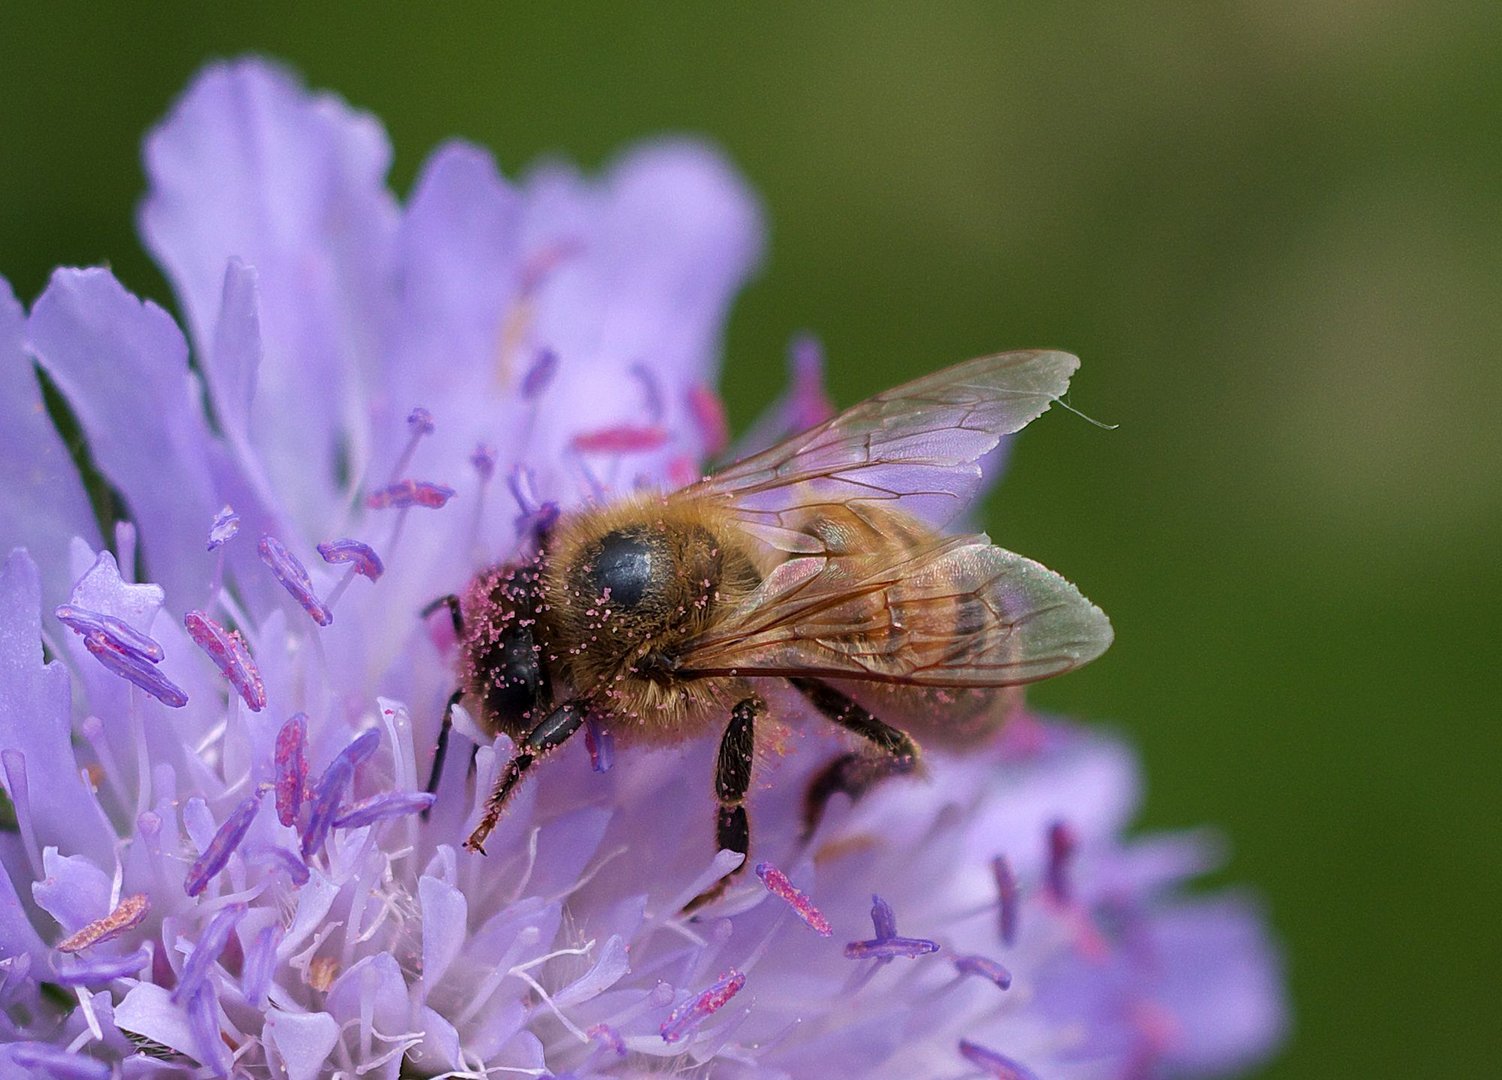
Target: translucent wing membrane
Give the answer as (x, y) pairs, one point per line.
(957, 613)
(914, 449)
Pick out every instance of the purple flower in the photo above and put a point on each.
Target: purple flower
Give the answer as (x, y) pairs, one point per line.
(363, 368)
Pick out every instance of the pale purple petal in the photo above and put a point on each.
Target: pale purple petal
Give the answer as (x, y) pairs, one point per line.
(42, 501)
(303, 1041)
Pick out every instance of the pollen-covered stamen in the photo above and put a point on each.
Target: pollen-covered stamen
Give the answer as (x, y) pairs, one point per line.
(985, 968)
(708, 413)
(883, 918)
(995, 1064)
(391, 804)
(227, 649)
(223, 528)
(483, 459)
(1062, 844)
(121, 634)
(778, 885)
(211, 943)
(360, 556)
(405, 493)
(1009, 903)
(102, 970)
(621, 439)
(128, 915)
(293, 576)
(888, 948)
(130, 666)
(291, 767)
(215, 857)
(539, 374)
(330, 789)
(600, 744)
(693, 1012)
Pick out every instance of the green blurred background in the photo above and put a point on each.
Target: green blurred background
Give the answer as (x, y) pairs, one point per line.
(1273, 231)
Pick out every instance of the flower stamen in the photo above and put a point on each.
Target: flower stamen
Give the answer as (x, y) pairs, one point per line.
(127, 915)
(227, 649)
(330, 789)
(223, 528)
(1008, 902)
(402, 494)
(291, 767)
(121, 635)
(985, 968)
(293, 576)
(996, 1065)
(130, 666)
(778, 885)
(229, 836)
(682, 1020)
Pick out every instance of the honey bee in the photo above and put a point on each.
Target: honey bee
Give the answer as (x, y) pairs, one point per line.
(822, 562)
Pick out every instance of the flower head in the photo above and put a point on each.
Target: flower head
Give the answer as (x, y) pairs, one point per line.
(214, 740)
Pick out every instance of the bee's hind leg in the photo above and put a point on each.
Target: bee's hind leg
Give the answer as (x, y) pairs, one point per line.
(854, 773)
(732, 779)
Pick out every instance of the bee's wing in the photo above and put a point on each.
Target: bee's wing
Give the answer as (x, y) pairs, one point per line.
(915, 448)
(959, 612)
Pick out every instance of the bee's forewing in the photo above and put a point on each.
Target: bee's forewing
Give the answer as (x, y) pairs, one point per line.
(913, 449)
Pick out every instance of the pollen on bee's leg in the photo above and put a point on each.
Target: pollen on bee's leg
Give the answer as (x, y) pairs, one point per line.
(227, 649)
(693, 1012)
(293, 577)
(1007, 899)
(778, 885)
(291, 767)
(215, 857)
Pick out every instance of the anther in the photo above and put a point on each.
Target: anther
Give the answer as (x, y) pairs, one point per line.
(391, 804)
(887, 948)
(131, 666)
(291, 767)
(539, 375)
(483, 459)
(121, 634)
(227, 649)
(883, 918)
(102, 970)
(984, 967)
(330, 789)
(809, 403)
(293, 576)
(223, 528)
(620, 439)
(535, 516)
(404, 493)
(215, 857)
(420, 421)
(1062, 844)
(996, 1065)
(211, 943)
(360, 556)
(778, 885)
(608, 1037)
(1006, 892)
(708, 413)
(128, 915)
(682, 1020)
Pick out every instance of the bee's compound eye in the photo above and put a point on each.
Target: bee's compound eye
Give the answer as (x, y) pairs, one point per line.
(625, 567)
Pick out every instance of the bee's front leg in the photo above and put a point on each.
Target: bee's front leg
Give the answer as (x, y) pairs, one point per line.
(732, 779)
(554, 730)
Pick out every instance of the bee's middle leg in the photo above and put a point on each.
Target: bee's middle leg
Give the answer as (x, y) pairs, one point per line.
(854, 773)
(440, 750)
(732, 779)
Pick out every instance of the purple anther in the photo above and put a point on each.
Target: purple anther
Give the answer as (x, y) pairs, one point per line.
(203, 1022)
(223, 528)
(778, 885)
(608, 1037)
(102, 970)
(293, 576)
(483, 459)
(39, 1059)
(128, 915)
(708, 413)
(420, 421)
(360, 555)
(260, 964)
(405, 493)
(330, 789)
(1007, 898)
(392, 804)
(620, 439)
(887, 948)
(883, 918)
(540, 374)
(600, 744)
(651, 391)
(1062, 844)
(121, 634)
(696, 1010)
(984, 967)
(535, 515)
(809, 403)
(227, 649)
(296, 869)
(130, 666)
(214, 857)
(291, 767)
(996, 1065)
(211, 943)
